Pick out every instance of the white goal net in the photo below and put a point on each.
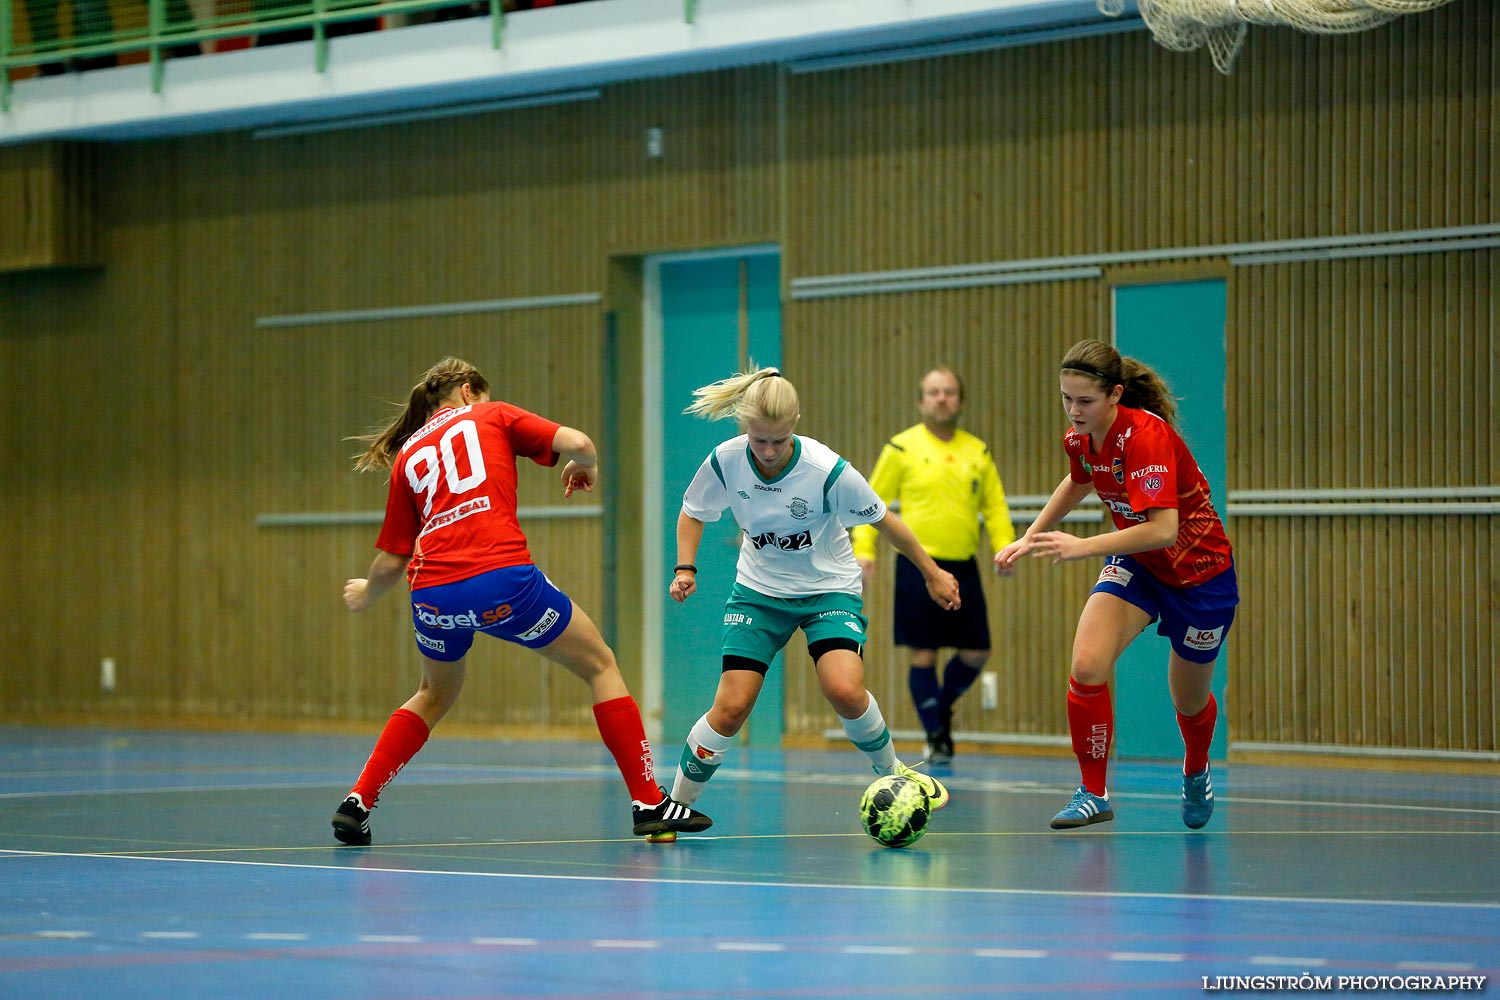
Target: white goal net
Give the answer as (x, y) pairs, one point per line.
(1220, 25)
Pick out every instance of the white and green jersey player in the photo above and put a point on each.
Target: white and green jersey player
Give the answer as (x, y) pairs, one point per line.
(796, 543)
(794, 498)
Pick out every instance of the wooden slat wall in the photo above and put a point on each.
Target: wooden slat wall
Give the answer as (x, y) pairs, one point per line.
(47, 216)
(156, 420)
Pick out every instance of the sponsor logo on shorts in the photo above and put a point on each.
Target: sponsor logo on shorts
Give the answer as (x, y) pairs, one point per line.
(735, 618)
(433, 617)
(436, 645)
(548, 619)
(1203, 638)
(1115, 573)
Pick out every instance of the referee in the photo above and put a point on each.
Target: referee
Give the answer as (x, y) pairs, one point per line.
(944, 479)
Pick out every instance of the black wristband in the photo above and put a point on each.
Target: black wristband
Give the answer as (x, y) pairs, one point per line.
(684, 566)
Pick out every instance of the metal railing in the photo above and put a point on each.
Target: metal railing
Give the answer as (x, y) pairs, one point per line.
(163, 29)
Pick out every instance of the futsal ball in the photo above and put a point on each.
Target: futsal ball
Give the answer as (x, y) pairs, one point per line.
(895, 811)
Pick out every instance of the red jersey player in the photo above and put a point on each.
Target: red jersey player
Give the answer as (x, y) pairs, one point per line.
(451, 528)
(1168, 561)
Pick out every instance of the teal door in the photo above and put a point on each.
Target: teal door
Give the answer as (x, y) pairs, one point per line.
(717, 312)
(1178, 329)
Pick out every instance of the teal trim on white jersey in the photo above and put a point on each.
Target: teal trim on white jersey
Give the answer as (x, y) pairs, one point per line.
(796, 540)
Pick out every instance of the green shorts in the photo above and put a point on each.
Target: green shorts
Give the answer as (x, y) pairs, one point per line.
(757, 626)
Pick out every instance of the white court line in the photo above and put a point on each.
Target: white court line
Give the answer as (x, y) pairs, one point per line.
(508, 942)
(749, 946)
(741, 883)
(625, 944)
(532, 774)
(1008, 953)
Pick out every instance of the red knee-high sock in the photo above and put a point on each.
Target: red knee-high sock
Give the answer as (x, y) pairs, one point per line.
(1091, 721)
(619, 721)
(399, 742)
(1197, 734)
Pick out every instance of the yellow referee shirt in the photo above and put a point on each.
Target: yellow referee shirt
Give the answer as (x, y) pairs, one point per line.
(943, 487)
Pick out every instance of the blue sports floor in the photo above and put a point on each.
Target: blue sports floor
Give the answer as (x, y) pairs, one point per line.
(160, 865)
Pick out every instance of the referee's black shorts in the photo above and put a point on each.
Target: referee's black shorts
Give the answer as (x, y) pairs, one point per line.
(921, 624)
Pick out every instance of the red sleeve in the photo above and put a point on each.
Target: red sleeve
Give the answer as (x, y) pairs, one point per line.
(530, 435)
(1073, 445)
(398, 533)
(1151, 468)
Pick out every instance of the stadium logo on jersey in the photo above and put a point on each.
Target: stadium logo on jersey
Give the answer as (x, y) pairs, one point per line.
(1117, 467)
(1114, 572)
(547, 621)
(768, 489)
(798, 508)
(436, 645)
(1204, 638)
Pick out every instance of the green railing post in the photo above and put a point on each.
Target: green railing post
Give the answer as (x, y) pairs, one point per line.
(497, 23)
(156, 22)
(5, 54)
(689, 10)
(320, 36)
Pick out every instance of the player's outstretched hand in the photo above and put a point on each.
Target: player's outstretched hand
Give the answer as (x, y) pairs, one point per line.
(943, 589)
(578, 477)
(1058, 545)
(1006, 558)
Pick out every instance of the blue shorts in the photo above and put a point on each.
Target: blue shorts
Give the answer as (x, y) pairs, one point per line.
(517, 603)
(1194, 619)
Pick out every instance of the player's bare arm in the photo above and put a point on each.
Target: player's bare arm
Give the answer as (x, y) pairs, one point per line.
(942, 587)
(582, 468)
(689, 537)
(1065, 497)
(1157, 532)
(386, 570)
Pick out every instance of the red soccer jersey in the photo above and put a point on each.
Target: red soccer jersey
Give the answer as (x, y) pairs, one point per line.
(452, 501)
(1146, 464)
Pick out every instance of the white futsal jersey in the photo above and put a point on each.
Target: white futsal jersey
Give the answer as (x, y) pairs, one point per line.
(796, 539)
